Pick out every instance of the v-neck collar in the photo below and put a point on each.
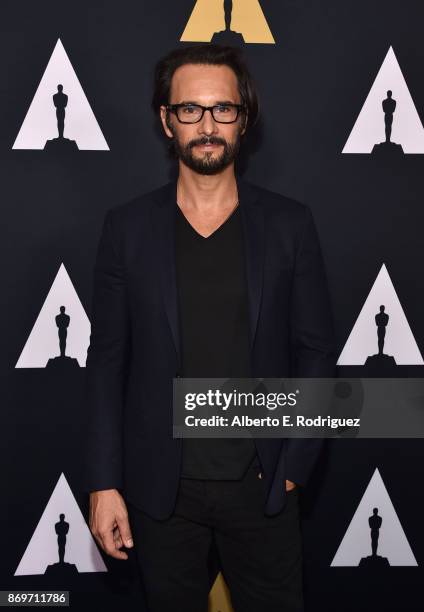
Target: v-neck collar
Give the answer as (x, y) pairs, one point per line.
(224, 223)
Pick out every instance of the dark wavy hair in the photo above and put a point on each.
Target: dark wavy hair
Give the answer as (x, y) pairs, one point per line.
(213, 54)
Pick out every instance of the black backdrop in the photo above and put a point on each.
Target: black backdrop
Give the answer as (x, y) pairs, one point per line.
(369, 211)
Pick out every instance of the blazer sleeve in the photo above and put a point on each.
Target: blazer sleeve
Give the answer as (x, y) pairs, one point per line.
(313, 339)
(106, 365)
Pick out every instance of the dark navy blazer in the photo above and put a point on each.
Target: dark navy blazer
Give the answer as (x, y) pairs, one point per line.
(134, 350)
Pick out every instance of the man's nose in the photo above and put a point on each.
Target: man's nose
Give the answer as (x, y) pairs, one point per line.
(207, 125)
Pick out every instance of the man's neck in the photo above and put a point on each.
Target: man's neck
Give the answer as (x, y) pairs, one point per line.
(206, 193)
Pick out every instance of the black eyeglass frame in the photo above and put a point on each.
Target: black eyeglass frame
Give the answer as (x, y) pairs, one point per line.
(174, 108)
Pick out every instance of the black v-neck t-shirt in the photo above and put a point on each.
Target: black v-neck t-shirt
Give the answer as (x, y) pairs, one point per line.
(214, 333)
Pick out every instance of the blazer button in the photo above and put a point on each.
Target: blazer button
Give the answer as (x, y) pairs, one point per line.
(260, 475)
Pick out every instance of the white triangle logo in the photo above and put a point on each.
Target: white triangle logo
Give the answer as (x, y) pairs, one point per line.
(398, 340)
(370, 128)
(41, 122)
(374, 524)
(62, 544)
(61, 333)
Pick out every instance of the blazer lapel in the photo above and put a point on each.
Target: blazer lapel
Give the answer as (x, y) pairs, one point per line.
(254, 247)
(163, 217)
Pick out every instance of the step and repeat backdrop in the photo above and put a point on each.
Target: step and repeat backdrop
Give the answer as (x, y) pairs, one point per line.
(342, 101)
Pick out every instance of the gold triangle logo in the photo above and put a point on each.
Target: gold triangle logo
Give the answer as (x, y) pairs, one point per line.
(227, 22)
(219, 596)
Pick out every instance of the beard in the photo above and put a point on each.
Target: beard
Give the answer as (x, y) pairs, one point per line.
(210, 162)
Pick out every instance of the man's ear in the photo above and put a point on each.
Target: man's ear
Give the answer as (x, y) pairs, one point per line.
(244, 124)
(164, 114)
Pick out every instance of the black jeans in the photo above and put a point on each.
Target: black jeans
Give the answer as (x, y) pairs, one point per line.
(260, 556)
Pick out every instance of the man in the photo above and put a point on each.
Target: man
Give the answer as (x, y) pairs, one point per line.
(207, 276)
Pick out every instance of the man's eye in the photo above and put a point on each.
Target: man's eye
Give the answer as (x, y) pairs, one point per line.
(223, 109)
(189, 109)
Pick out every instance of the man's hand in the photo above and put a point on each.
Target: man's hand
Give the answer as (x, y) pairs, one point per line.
(109, 522)
(290, 485)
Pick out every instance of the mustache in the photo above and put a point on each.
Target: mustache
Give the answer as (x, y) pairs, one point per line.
(207, 140)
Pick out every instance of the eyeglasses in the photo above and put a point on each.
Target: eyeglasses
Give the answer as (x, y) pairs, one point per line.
(192, 113)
